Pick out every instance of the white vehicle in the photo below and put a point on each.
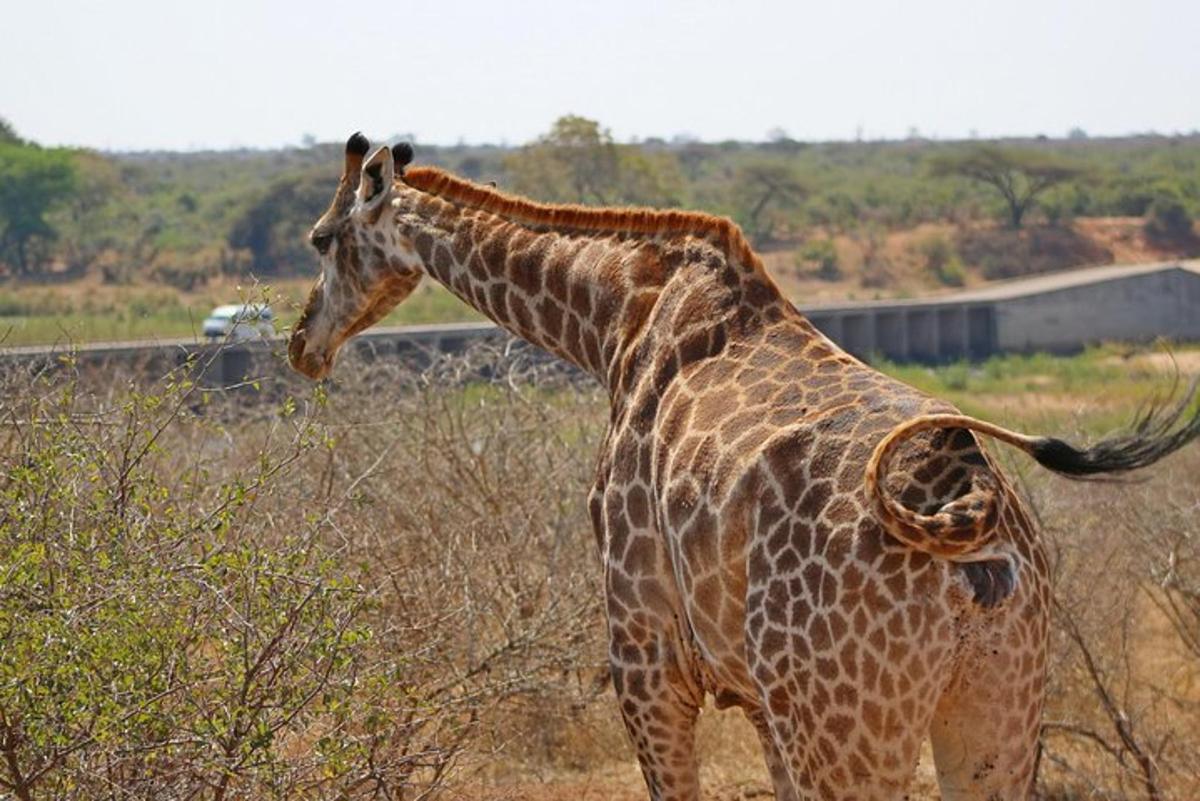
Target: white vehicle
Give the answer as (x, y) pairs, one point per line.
(240, 322)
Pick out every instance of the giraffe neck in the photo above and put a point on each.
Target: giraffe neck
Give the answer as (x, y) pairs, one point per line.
(586, 285)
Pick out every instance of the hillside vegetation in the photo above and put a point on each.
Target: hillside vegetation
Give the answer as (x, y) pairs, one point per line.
(833, 220)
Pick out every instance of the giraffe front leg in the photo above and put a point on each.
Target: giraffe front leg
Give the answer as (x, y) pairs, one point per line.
(656, 688)
(659, 707)
(776, 765)
(652, 673)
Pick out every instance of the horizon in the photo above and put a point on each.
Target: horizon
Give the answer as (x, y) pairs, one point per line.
(133, 76)
(1079, 136)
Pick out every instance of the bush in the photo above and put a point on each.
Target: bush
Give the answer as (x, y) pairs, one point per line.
(1062, 204)
(1001, 253)
(148, 643)
(185, 271)
(941, 260)
(819, 256)
(215, 595)
(1168, 219)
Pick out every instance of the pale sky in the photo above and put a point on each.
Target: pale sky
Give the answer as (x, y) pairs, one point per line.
(160, 74)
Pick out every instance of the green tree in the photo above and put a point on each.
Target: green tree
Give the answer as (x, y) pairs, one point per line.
(1020, 176)
(272, 227)
(96, 217)
(762, 188)
(576, 162)
(648, 179)
(8, 134)
(33, 181)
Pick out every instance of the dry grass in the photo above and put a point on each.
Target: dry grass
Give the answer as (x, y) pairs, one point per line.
(89, 310)
(1112, 643)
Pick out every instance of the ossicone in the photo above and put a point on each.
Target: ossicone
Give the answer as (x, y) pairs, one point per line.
(402, 154)
(357, 144)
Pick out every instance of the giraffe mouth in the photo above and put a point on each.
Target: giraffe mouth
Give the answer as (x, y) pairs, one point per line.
(310, 363)
(317, 362)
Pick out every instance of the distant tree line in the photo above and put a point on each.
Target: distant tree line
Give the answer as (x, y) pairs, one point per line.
(185, 218)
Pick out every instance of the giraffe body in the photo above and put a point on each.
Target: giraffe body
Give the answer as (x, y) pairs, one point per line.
(764, 540)
(759, 568)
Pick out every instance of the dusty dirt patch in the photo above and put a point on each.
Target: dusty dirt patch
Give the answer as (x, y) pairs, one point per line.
(731, 769)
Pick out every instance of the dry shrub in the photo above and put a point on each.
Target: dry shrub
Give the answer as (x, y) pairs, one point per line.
(876, 268)
(1005, 253)
(370, 588)
(1123, 706)
(331, 593)
(940, 260)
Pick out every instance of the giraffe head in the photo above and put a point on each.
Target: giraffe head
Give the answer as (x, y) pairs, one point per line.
(366, 266)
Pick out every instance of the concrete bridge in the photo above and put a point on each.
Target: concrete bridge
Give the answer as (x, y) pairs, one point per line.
(1058, 313)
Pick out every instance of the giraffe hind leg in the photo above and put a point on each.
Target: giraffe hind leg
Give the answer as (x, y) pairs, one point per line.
(661, 722)
(974, 761)
(985, 727)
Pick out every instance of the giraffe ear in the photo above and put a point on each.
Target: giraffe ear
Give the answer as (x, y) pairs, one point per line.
(377, 175)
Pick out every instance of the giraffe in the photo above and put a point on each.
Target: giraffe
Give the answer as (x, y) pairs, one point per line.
(782, 528)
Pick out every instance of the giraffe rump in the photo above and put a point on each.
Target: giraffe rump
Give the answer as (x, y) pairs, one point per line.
(960, 529)
(1159, 431)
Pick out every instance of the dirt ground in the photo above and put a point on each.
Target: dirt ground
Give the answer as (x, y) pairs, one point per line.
(906, 271)
(731, 768)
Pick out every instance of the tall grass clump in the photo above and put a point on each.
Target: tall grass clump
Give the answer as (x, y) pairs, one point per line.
(1123, 701)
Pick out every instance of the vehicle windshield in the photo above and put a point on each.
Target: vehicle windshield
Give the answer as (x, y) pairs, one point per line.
(241, 313)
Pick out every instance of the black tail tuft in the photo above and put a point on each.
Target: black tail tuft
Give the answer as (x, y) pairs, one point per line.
(1159, 431)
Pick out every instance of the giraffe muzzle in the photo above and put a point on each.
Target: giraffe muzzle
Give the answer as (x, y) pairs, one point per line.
(307, 362)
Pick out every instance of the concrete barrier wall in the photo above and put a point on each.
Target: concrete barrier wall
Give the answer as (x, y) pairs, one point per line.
(1134, 309)
(226, 364)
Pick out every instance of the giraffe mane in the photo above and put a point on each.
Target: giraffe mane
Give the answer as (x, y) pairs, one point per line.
(721, 231)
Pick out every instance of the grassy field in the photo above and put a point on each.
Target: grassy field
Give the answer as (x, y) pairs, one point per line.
(306, 594)
(1089, 393)
(93, 312)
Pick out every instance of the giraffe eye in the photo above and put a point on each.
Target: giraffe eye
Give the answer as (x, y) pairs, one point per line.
(321, 242)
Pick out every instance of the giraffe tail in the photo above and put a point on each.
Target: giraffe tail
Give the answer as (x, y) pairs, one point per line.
(959, 530)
